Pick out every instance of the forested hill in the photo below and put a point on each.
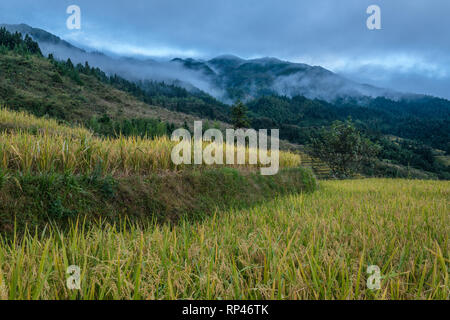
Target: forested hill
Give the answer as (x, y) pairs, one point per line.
(425, 120)
(83, 94)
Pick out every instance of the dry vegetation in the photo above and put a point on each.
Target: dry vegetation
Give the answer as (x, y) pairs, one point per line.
(30, 144)
(306, 246)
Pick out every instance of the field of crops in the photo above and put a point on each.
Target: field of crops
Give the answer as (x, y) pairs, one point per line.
(30, 144)
(305, 246)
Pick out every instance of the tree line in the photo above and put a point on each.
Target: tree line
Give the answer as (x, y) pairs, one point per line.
(17, 42)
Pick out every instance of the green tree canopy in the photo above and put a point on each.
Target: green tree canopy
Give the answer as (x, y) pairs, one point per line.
(239, 115)
(343, 148)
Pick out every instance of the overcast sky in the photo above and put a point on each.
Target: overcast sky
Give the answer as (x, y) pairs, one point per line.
(410, 53)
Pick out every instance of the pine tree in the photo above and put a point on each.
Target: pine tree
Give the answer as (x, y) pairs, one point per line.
(239, 115)
(69, 64)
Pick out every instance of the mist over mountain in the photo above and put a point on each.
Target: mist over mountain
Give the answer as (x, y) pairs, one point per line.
(227, 77)
(249, 79)
(130, 68)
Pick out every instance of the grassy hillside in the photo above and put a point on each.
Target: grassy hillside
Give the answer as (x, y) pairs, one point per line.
(34, 84)
(109, 104)
(306, 246)
(85, 95)
(35, 200)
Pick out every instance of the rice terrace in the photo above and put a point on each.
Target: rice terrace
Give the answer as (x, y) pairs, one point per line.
(130, 171)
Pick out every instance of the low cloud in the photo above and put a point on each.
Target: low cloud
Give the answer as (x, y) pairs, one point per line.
(412, 44)
(136, 69)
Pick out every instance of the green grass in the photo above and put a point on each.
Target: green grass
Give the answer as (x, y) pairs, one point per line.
(35, 199)
(305, 246)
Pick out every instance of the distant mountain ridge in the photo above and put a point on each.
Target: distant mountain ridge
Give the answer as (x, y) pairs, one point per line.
(249, 79)
(225, 77)
(39, 35)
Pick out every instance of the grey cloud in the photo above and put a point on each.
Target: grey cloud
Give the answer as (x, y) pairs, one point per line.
(287, 29)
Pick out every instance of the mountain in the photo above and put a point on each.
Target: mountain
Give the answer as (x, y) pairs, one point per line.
(249, 79)
(48, 88)
(130, 68)
(226, 77)
(45, 39)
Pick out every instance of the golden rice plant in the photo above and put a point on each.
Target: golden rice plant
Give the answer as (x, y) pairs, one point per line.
(16, 120)
(43, 145)
(305, 246)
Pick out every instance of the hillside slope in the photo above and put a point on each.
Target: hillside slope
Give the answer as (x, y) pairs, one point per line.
(34, 84)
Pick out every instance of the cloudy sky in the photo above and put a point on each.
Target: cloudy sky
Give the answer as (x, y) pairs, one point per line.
(410, 53)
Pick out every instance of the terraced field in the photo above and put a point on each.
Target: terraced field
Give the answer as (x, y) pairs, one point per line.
(304, 246)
